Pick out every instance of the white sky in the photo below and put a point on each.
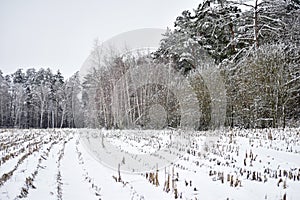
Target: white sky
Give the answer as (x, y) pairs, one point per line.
(59, 33)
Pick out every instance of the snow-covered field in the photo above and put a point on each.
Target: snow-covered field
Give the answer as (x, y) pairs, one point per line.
(240, 164)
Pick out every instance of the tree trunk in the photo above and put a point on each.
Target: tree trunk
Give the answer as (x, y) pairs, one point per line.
(255, 21)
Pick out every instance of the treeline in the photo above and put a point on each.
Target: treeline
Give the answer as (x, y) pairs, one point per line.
(38, 99)
(255, 45)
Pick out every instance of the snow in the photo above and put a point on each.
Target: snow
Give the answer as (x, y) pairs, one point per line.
(60, 166)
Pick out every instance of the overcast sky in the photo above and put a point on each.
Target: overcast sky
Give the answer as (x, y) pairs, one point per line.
(59, 33)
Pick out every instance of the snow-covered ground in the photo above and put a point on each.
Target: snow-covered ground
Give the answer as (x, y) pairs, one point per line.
(240, 164)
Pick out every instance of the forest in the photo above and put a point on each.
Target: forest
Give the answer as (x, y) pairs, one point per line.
(256, 48)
